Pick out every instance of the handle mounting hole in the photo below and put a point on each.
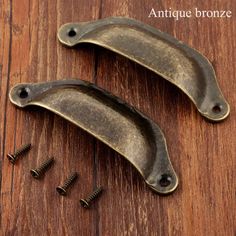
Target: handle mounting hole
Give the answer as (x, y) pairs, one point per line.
(217, 108)
(23, 93)
(72, 32)
(165, 180)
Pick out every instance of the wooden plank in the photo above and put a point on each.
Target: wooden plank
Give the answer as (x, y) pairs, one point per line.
(202, 153)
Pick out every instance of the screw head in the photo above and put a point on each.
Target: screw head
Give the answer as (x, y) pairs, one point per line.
(84, 203)
(35, 173)
(11, 158)
(61, 190)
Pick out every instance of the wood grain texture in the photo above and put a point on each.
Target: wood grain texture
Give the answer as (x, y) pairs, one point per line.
(203, 154)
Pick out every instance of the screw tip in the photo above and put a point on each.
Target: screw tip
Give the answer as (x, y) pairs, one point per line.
(84, 203)
(34, 173)
(75, 175)
(61, 190)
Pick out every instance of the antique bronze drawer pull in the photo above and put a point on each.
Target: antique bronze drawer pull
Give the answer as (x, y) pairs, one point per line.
(172, 59)
(109, 119)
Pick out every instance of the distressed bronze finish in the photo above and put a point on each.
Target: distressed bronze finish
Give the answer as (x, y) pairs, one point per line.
(157, 51)
(109, 119)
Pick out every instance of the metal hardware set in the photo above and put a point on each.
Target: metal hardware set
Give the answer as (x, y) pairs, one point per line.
(114, 122)
(40, 171)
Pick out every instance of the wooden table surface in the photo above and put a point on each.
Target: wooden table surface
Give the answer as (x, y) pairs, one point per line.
(203, 154)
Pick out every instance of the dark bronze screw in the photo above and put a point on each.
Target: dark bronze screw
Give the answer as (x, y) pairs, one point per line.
(38, 172)
(62, 189)
(13, 157)
(86, 202)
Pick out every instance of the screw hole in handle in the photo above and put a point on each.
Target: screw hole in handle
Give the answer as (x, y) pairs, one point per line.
(217, 108)
(72, 32)
(165, 180)
(23, 93)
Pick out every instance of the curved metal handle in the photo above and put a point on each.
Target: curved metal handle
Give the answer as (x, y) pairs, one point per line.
(157, 51)
(115, 123)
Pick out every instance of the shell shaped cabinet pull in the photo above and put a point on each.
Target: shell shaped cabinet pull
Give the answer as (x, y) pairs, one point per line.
(112, 121)
(159, 52)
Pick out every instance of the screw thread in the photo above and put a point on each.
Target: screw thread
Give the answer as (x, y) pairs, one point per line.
(22, 150)
(70, 180)
(94, 194)
(45, 165)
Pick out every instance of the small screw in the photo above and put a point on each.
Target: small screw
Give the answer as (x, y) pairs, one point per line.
(38, 172)
(62, 188)
(13, 157)
(86, 202)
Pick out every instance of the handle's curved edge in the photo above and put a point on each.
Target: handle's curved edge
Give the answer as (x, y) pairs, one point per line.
(109, 119)
(178, 63)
